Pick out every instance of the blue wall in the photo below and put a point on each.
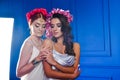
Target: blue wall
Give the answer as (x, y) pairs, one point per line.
(95, 26)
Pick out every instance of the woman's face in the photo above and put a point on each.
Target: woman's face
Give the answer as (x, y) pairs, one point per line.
(38, 27)
(56, 27)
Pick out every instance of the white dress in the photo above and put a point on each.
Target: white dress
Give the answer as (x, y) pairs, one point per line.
(62, 59)
(37, 73)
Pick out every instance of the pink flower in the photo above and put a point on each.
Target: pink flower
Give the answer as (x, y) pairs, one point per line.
(61, 11)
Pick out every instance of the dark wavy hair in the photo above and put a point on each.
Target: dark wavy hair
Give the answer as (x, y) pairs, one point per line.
(66, 30)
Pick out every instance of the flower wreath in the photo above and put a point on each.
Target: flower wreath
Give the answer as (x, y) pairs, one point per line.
(34, 11)
(63, 12)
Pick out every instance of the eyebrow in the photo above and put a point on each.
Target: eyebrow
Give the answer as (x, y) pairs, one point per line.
(37, 23)
(58, 23)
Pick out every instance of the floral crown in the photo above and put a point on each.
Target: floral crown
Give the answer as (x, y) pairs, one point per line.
(63, 12)
(34, 11)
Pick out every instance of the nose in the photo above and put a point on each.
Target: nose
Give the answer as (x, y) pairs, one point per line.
(55, 28)
(40, 28)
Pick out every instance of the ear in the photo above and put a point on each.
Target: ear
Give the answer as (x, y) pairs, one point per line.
(29, 23)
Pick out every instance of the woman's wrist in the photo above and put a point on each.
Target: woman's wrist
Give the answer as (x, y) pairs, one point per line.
(35, 62)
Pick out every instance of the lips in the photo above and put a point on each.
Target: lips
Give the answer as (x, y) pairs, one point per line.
(55, 33)
(40, 32)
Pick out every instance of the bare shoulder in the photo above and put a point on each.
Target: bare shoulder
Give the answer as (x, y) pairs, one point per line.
(27, 41)
(76, 45)
(47, 41)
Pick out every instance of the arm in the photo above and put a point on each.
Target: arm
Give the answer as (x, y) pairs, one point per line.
(57, 74)
(63, 68)
(24, 66)
(77, 55)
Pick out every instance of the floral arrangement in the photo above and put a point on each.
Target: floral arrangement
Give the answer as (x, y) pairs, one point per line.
(34, 11)
(65, 13)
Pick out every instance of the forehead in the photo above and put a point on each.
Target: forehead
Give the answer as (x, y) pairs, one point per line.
(55, 20)
(39, 20)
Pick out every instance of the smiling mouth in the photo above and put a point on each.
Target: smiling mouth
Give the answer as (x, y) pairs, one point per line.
(39, 32)
(55, 33)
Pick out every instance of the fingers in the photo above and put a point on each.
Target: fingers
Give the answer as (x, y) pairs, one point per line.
(45, 52)
(45, 48)
(45, 55)
(77, 71)
(42, 56)
(38, 58)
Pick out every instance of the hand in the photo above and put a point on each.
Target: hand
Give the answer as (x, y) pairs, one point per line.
(76, 73)
(48, 56)
(39, 57)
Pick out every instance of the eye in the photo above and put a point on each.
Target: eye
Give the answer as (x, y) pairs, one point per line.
(52, 26)
(36, 25)
(59, 25)
(43, 26)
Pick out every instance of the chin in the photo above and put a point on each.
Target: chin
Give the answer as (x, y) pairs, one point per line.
(56, 36)
(39, 35)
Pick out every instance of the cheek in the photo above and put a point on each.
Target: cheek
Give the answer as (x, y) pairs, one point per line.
(59, 29)
(32, 30)
(35, 29)
(61, 33)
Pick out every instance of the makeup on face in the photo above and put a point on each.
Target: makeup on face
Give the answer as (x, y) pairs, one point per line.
(56, 27)
(38, 27)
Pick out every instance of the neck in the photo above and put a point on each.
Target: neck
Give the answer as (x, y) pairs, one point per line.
(60, 40)
(36, 37)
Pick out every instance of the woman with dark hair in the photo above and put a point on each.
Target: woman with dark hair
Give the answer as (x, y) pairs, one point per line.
(29, 64)
(62, 63)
